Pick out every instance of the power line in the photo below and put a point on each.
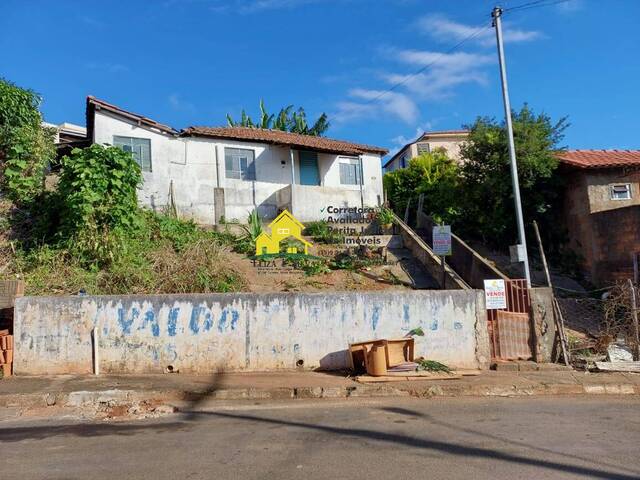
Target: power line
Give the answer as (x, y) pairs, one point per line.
(536, 4)
(429, 65)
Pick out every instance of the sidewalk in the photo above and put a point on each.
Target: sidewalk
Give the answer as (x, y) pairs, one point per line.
(190, 392)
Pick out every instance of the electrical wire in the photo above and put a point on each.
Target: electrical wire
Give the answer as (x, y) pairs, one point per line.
(469, 37)
(536, 4)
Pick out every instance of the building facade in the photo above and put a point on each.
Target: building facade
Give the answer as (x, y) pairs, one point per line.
(448, 140)
(214, 174)
(602, 211)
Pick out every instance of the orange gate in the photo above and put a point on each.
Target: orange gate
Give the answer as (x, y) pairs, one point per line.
(510, 328)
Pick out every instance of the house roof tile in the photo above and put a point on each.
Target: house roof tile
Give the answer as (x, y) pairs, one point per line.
(600, 158)
(279, 137)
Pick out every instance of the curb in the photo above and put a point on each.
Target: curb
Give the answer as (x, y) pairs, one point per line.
(87, 399)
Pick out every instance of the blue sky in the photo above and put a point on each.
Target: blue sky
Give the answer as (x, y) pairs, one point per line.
(189, 62)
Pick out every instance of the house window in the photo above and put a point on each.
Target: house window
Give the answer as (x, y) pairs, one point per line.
(239, 163)
(350, 172)
(283, 231)
(423, 148)
(140, 149)
(621, 192)
(403, 161)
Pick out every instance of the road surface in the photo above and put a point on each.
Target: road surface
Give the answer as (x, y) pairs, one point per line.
(471, 439)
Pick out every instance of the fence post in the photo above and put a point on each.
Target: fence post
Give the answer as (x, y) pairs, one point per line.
(634, 316)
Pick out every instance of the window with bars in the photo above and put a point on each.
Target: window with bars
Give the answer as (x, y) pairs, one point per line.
(621, 192)
(350, 172)
(423, 148)
(140, 149)
(239, 163)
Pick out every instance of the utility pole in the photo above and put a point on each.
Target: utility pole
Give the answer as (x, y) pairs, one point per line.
(497, 23)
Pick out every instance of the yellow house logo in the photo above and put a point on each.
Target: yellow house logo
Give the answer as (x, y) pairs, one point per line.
(284, 227)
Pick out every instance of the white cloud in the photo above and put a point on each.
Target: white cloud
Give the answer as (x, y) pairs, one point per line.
(446, 30)
(570, 6)
(258, 5)
(447, 71)
(369, 103)
(177, 103)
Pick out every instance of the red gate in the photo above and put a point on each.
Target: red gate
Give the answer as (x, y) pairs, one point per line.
(510, 328)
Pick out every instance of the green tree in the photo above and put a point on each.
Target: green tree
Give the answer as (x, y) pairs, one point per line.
(98, 200)
(433, 174)
(286, 120)
(26, 148)
(486, 193)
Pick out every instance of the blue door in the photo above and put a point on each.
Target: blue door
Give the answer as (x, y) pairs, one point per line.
(309, 168)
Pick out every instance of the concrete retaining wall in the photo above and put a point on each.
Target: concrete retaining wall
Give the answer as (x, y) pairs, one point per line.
(235, 332)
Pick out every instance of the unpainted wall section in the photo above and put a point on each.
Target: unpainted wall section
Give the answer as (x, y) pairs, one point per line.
(241, 332)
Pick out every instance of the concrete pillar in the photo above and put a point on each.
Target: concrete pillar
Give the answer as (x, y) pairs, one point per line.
(218, 204)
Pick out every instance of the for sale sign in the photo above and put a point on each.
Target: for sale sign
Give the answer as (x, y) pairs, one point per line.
(442, 240)
(495, 294)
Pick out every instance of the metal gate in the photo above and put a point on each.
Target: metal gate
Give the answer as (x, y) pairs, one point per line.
(510, 329)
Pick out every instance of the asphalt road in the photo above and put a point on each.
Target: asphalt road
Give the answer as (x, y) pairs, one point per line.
(471, 439)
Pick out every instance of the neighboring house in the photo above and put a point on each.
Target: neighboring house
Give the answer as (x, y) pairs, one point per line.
(67, 137)
(216, 172)
(602, 210)
(448, 140)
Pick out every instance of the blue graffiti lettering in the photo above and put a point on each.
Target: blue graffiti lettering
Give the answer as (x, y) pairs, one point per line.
(405, 315)
(150, 317)
(125, 323)
(375, 318)
(208, 322)
(172, 324)
(222, 323)
(434, 324)
(194, 325)
(457, 325)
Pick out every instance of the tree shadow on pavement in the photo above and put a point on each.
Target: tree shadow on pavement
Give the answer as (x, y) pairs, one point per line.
(429, 444)
(415, 414)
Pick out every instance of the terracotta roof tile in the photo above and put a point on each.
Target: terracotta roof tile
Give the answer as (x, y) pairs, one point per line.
(600, 158)
(279, 137)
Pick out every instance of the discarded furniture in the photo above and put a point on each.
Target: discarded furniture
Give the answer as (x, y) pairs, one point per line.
(396, 352)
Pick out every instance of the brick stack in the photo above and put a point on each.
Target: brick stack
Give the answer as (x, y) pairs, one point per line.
(6, 352)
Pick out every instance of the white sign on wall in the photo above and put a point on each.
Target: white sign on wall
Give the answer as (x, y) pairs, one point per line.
(495, 294)
(442, 240)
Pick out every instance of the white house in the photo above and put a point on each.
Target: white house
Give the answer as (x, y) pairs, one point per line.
(213, 172)
(448, 140)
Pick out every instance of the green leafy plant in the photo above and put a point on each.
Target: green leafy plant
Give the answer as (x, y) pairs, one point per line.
(26, 148)
(322, 232)
(252, 230)
(97, 192)
(286, 120)
(432, 366)
(433, 175)
(384, 216)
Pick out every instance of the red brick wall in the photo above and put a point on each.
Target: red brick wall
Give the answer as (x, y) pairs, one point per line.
(617, 237)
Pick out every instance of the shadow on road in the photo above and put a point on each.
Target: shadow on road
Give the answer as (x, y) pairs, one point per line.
(508, 441)
(191, 418)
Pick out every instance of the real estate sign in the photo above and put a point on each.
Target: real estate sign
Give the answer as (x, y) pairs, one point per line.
(442, 240)
(495, 294)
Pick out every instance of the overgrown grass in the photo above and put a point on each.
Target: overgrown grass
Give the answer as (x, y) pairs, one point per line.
(165, 255)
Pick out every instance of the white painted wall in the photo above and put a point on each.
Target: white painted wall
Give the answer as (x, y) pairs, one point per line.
(250, 332)
(193, 164)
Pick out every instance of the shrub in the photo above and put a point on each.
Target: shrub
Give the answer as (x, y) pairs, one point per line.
(26, 148)
(97, 192)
